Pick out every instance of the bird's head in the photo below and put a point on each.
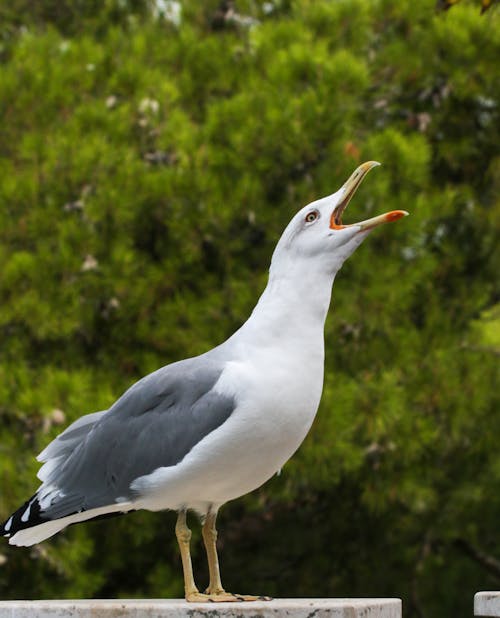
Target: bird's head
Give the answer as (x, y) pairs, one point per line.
(317, 238)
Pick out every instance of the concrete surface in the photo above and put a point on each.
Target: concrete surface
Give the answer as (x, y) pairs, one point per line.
(177, 608)
(487, 604)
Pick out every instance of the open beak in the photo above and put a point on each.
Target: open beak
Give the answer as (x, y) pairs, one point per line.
(349, 188)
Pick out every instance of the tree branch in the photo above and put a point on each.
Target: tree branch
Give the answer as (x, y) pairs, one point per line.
(489, 563)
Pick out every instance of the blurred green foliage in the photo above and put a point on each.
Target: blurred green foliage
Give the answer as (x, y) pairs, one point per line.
(150, 156)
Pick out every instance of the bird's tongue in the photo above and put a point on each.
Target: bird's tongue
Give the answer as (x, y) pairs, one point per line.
(349, 189)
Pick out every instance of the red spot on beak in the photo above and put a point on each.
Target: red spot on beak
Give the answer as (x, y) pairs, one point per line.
(394, 215)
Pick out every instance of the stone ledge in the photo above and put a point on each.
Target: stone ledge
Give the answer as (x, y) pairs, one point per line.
(487, 604)
(178, 608)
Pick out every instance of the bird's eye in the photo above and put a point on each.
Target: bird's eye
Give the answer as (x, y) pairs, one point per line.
(311, 216)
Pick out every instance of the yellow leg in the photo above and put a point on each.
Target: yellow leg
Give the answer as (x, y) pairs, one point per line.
(216, 592)
(209, 533)
(183, 534)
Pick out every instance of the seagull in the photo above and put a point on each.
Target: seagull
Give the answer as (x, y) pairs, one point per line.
(205, 430)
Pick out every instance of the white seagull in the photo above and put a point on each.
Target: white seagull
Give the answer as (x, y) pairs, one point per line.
(205, 430)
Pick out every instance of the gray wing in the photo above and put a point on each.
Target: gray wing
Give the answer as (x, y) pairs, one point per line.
(65, 442)
(154, 424)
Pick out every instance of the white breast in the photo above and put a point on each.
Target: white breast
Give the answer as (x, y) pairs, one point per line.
(277, 395)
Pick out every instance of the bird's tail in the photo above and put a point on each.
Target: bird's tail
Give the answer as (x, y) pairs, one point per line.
(30, 524)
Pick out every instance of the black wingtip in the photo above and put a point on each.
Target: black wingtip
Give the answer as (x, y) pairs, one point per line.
(26, 516)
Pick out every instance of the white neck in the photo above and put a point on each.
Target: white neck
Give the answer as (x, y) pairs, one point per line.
(299, 299)
(292, 309)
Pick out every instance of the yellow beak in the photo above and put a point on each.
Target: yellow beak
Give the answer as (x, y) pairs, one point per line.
(349, 188)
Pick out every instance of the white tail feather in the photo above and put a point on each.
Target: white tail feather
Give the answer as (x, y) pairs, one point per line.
(36, 534)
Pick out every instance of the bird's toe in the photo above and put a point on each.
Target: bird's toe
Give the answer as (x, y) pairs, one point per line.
(252, 597)
(221, 596)
(196, 597)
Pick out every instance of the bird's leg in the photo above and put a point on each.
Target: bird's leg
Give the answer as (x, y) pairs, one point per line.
(183, 534)
(216, 592)
(209, 532)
